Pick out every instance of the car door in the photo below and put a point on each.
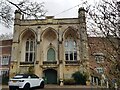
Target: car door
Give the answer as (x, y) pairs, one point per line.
(35, 80)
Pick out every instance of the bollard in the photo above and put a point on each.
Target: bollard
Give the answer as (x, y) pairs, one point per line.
(107, 84)
(116, 86)
(61, 82)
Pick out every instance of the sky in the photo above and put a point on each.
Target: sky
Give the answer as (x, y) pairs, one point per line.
(55, 8)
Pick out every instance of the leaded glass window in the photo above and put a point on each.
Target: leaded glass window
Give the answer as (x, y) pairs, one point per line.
(70, 50)
(30, 50)
(51, 55)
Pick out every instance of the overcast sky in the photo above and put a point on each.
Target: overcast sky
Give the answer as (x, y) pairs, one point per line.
(54, 8)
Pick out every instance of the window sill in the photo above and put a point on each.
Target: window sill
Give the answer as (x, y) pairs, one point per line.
(72, 62)
(24, 63)
(49, 62)
(5, 65)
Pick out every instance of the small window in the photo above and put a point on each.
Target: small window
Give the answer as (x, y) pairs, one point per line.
(99, 57)
(99, 70)
(5, 60)
(4, 72)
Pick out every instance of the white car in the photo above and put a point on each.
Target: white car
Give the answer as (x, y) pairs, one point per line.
(25, 81)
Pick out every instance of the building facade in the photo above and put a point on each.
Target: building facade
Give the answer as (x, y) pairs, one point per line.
(104, 59)
(5, 56)
(53, 48)
(56, 48)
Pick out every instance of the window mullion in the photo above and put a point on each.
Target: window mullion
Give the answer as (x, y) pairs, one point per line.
(73, 55)
(29, 51)
(33, 51)
(69, 55)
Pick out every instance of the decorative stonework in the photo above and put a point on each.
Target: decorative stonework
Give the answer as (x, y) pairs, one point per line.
(50, 33)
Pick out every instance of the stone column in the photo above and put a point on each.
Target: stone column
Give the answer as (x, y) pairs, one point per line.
(83, 40)
(83, 35)
(37, 63)
(14, 67)
(60, 56)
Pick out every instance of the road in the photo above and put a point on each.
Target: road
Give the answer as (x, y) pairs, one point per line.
(63, 89)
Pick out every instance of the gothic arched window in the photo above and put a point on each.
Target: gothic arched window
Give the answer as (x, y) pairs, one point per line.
(51, 55)
(70, 50)
(30, 50)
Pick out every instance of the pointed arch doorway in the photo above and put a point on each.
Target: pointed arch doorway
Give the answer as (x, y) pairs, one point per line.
(51, 76)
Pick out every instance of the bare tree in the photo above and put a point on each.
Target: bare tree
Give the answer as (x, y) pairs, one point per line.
(103, 21)
(30, 9)
(5, 14)
(6, 36)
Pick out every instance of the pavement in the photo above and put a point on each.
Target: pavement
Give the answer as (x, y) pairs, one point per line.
(3, 86)
(70, 86)
(58, 86)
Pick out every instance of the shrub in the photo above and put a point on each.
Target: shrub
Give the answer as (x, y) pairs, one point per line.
(31, 70)
(79, 78)
(69, 81)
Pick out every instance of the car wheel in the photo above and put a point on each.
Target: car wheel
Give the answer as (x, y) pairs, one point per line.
(42, 85)
(27, 86)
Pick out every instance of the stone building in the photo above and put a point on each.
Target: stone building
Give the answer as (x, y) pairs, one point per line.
(56, 48)
(52, 48)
